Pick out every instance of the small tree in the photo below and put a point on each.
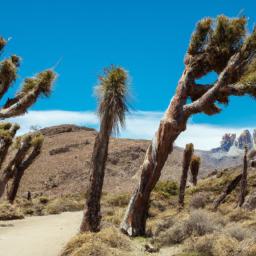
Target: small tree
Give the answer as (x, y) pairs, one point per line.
(112, 92)
(243, 182)
(194, 168)
(187, 155)
(32, 88)
(223, 46)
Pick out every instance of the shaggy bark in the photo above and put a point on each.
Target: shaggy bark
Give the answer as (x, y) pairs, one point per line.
(228, 189)
(187, 155)
(19, 172)
(92, 215)
(172, 124)
(243, 182)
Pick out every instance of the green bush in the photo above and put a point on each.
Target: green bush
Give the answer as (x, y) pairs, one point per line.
(167, 188)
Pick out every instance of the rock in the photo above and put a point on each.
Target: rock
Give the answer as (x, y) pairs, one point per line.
(226, 143)
(250, 202)
(150, 248)
(229, 143)
(254, 136)
(245, 139)
(56, 151)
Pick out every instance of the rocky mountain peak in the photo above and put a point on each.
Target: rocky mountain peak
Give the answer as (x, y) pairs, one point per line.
(230, 142)
(245, 139)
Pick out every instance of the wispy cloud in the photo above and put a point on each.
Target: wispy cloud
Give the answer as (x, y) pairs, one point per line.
(139, 125)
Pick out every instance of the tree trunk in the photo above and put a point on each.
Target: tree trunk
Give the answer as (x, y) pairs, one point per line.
(243, 182)
(11, 167)
(19, 172)
(92, 215)
(172, 124)
(228, 189)
(185, 167)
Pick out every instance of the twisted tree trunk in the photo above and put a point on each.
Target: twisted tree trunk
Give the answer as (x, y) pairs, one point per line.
(185, 167)
(12, 166)
(243, 182)
(92, 215)
(172, 124)
(19, 172)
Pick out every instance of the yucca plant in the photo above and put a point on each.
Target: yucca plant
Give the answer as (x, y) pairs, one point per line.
(194, 168)
(187, 155)
(222, 45)
(112, 95)
(30, 91)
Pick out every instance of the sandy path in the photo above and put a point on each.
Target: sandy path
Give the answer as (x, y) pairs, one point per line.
(38, 236)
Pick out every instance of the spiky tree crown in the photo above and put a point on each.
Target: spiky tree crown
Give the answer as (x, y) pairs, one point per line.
(194, 165)
(112, 96)
(32, 88)
(223, 45)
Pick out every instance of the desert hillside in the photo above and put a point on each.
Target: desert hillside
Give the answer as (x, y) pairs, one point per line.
(63, 166)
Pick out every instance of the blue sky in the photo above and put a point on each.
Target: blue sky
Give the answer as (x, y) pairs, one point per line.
(148, 38)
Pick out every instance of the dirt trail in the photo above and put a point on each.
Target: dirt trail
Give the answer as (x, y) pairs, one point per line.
(40, 236)
(46, 235)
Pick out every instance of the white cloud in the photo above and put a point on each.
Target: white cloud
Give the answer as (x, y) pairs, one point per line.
(139, 125)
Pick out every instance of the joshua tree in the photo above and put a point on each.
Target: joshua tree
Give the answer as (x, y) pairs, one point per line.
(32, 88)
(194, 168)
(187, 155)
(223, 46)
(112, 92)
(34, 144)
(243, 182)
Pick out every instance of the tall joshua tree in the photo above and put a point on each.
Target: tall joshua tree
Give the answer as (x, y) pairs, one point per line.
(187, 155)
(112, 92)
(194, 168)
(223, 46)
(32, 88)
(243, 182)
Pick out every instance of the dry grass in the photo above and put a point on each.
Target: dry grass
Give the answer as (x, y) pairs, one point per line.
(105, 243)
(10, 212)
(64, 204)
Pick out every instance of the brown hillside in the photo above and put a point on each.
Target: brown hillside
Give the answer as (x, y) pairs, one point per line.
(63, 166)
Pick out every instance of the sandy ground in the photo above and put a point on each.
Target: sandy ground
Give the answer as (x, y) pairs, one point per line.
(38, 236)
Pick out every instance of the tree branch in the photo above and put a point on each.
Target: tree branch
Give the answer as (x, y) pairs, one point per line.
(31, 90)
(8, 132)
(207, 100)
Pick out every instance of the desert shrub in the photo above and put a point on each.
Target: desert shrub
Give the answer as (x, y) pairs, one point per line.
(239, 215)
(120, 200)
(174, 235)
(250, 202)
(163, 225)
(43, 200)
(166, 188)
(214, 245)
(246, 248)
(238, 232)
(199, 200)
(200, 223)
(10, 212)
(63, 204)
(107, 242)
